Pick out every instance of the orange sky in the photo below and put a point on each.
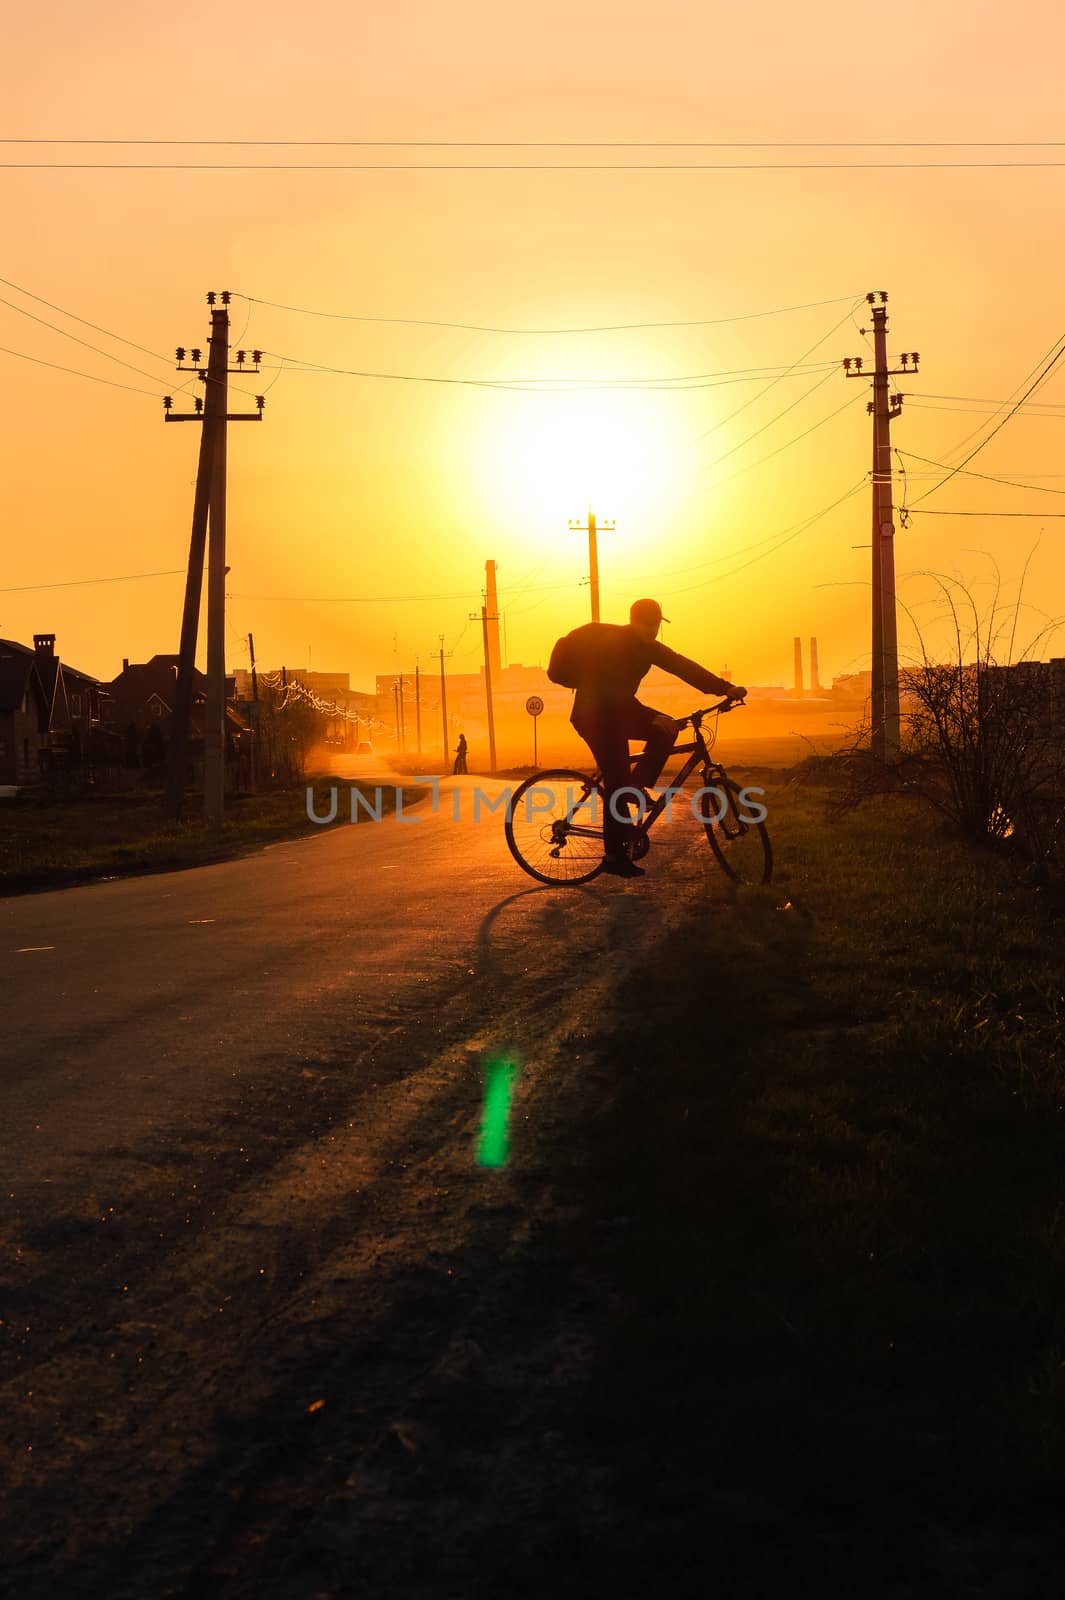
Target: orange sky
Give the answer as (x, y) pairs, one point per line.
(380, 488)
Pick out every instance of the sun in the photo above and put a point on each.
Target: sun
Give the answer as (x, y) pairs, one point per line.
(615, 451)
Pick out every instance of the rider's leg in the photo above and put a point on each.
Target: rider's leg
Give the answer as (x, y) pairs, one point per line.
(660, 732)
(609, 744)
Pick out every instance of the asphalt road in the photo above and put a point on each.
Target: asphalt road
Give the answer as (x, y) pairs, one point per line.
(226, 1091)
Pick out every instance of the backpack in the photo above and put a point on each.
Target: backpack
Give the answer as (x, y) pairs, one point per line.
(564, 666)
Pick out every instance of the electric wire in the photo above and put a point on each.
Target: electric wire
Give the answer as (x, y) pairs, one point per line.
(915, 511)
(731, 451)
(66, 334)
(760, 461)
(987, 477)
(111, 383)
(475, 327)
(771, 384)
(296, 365)
(791, 534)
(574, 144)
(1058, 350)
(80, 583)
(527, 166)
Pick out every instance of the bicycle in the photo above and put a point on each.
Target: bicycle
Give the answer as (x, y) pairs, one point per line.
(558, 841)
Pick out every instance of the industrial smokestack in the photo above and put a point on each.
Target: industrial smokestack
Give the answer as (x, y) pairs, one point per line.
(798, 666)
(815, 681)
(492, 605)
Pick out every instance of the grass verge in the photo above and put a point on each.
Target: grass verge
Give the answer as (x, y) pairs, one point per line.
(829, 1157)
(53, 844)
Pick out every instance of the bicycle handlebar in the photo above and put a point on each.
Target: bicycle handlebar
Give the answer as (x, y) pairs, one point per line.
(723, 706)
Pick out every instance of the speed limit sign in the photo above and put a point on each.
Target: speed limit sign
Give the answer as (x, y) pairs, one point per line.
(534, 705)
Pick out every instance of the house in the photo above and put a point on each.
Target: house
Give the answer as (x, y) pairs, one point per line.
(69, 715)
(23, 717)
(145, 692)
(140, 707)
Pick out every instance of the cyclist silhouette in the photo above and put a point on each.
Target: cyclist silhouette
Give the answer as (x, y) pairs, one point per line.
(605, 662)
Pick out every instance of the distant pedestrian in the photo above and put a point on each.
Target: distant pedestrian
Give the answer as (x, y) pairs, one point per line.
(460, 754)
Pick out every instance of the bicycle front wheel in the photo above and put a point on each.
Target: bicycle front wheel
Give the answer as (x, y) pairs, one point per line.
(739, 842)
(554, 827)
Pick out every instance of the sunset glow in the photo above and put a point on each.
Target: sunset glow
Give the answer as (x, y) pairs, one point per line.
(662, 344)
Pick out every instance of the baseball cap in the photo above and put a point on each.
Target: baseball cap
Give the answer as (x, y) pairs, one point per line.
(648, 611)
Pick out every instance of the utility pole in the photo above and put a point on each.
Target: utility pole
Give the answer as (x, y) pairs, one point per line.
(884, 408)
(591, 527)
(209, 511)
(485, 620)
(254, 718)
(443, 703)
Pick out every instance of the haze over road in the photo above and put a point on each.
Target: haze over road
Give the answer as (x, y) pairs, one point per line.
(225, 1091)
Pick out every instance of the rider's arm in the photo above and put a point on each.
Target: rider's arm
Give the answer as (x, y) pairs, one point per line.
(689, 671)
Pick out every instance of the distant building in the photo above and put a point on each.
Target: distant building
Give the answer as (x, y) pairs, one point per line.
(60, 727)
(23, 719)
(145, 692)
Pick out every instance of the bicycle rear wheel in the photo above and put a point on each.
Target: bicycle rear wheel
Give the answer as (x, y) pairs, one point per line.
(554, 827)
(741, 845)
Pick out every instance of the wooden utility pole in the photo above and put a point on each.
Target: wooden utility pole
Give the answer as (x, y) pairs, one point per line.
(209, 511)
(485, 620)
(884, 408)
(591, 527)
(214, 730)
(254, 718)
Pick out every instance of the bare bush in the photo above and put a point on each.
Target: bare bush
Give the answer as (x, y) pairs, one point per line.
(983, 739)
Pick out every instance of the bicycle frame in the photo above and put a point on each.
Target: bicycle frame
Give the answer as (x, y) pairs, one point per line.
(700, 757)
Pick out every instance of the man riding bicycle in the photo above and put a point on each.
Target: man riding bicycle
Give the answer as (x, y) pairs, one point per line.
(605, 662)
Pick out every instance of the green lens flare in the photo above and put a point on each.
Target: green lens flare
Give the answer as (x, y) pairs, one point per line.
(493, 1145)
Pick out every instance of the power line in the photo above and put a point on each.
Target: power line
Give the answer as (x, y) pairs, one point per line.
(986, 476)
(1032, 413)
(1058, 350)
(296, 364)
(708, 465)
(524, 166)
(789, 442)
(108, 332)
(80, 583)
(795, 366)
(916, 396)
(67, 335)
(576, 144)
(129, 387)
(781, 536)
(474, 327)
(929, 512)
(387, 599)
(84, 322)
(787, 538)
